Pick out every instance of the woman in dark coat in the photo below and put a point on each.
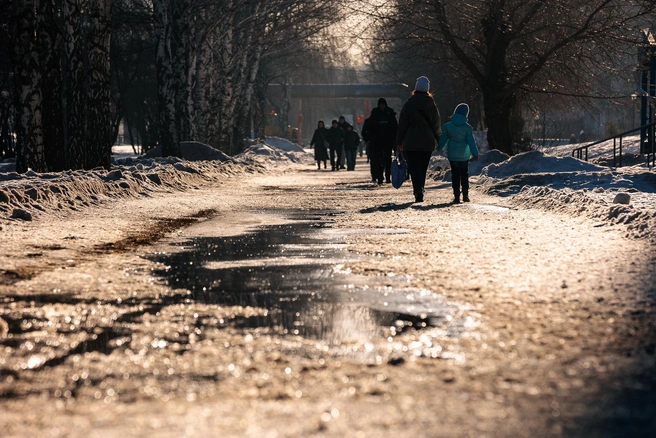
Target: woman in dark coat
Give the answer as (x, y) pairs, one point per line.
(419, 131)
(320, 143)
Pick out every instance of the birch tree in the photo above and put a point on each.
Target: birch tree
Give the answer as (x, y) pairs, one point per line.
(99, 124)
(162, 24)
(75, 102)
(27, 78)
(208, 60)
(50, 45)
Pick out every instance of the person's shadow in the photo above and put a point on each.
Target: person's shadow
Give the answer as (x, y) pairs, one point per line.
(428, 207)
(396, 207)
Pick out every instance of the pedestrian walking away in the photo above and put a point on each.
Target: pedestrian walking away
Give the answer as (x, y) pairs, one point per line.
(366, 138)
(418, 132)
(458, 139)
(343, 124)
(382, 131)
(320, 143)
(335, 137)
(351, 143)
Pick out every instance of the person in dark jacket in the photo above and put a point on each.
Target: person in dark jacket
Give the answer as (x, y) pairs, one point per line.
(351, 143)
(419, 131)
(320, 143)
(335, 139)
(343, 124)
(383, 128)
(366, 137)
(458, 139)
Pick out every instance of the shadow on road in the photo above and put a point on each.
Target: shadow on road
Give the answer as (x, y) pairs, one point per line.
(396, 207)
(390, 206)
(428, 207)
(628, 402)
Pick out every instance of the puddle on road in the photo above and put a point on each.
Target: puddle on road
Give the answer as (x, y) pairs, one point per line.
(293, 271)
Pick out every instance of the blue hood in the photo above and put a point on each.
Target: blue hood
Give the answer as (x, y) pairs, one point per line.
(458, 119)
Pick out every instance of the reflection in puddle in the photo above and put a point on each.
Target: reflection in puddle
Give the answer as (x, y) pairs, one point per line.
(291, 270)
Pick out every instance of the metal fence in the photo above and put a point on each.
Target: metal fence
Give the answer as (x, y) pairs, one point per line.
(618, 142)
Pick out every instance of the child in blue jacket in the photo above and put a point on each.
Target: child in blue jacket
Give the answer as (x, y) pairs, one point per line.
(458, 138)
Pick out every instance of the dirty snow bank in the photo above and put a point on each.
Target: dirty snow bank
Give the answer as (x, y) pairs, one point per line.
(537, 162)
(193, 151)
(639, 218)
(23, 196)
(275, 150)
(440, 169)
(283, 144)
(265, 153)
(36, 193)
(534, 179)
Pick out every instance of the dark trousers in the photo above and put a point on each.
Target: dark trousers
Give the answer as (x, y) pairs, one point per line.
(351, 155)
(378, 162)
(460, 177)
(335, 157)
(387, 163)
(370, 161)
(418, 162)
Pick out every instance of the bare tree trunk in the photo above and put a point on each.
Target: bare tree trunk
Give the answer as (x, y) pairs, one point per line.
(237, 108)
(497, 117)
(213, 89)
(51, 47)
(226, 91)
(257, 108)
(165, 80)
(181, 50)
(30, 150)
(245, 120)
(100, 120)
(285, 109)
(192, 80)
(75, 100)
(203, 59)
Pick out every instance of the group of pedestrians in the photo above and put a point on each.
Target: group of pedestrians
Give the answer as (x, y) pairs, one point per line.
(415, 136)
(339, 143)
